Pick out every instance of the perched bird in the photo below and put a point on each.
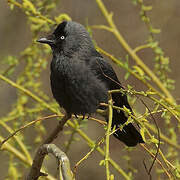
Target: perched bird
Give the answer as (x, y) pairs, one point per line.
(81, 77)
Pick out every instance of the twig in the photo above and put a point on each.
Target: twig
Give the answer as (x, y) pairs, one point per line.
(41, 119)
(8, 147)
(87, 155)
(28, 92)
(63, 161)
(38, 160)
(18, 140)
(118, 62)
(80, 132)
(35, 13)
(163, 137)
(158, 161)
(70, 141)
(158, 133)
(120, 38)
(25, 126)
(110, 103)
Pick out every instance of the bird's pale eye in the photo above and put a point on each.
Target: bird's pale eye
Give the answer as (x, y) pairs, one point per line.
(62, 37)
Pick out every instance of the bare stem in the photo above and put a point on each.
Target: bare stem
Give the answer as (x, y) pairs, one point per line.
(135, 57)
(158, 161)
(110, 103)
(39, 157)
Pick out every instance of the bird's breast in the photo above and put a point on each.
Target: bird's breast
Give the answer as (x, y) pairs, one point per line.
(75, 87)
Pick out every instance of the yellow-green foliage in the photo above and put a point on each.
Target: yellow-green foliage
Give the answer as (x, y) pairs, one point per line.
(32, 102)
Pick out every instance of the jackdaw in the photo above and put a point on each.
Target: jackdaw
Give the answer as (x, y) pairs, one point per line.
(81, 77)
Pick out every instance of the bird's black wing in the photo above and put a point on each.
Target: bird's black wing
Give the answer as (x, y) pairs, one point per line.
(103, 71)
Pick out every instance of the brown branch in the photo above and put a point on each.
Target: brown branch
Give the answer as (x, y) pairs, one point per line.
(97, 144)
(35, 173)
(41, 119)
(63, 161)
(157, 160)
(25, 126)
(159, 138)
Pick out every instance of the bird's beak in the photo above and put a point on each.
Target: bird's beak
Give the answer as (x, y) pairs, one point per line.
(46, 40)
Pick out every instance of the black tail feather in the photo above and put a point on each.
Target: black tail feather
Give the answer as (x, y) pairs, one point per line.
(129, 134)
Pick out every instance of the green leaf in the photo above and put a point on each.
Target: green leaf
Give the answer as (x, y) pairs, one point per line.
(146, 8)
(29, 6)
(155, 31)
(142, 132)
(61, 18)
(149, 92)
(11, 6)
(139, 70)
(177, 173)
(102, 163)
(37, 20)
(154, 140)
(127, 75)
(111, 177)
(153, 44)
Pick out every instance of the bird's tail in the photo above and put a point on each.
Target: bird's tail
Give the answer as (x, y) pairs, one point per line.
(129, 134)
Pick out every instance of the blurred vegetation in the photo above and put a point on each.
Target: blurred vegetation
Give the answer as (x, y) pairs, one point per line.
(33, 104)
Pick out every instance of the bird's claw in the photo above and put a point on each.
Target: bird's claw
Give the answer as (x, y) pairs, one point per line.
(76, 116)
(82, 117)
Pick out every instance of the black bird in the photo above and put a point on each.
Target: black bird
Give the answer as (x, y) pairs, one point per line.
(81, 77)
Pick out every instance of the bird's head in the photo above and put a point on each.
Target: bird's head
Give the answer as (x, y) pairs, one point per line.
(68, 37)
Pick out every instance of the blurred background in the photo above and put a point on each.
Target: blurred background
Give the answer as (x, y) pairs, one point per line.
(15, 36)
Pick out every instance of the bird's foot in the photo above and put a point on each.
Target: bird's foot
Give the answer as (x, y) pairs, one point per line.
(76, 116)
(83, 116)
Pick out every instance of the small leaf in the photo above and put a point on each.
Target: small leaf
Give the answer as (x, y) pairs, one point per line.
(11, 6)
(142, 132)
(102, 163)
(28, 5)
(126, 109)
(154, 140)
(139, 70)
(146, 8)
(177, 173)
(153, 44)
(111, 177)
(150, 92)
(62, 17)
(163, 114)
(13, 172)
(127, 75)
(37, 20)
(155, 31)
